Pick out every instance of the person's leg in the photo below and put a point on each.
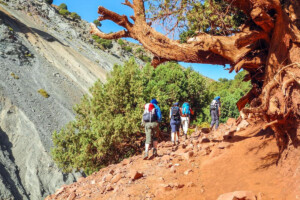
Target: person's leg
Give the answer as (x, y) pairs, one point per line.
(217, 122)
(213, 120)
(155, 137)
(185, 126)
(148, 139)
(173, 137)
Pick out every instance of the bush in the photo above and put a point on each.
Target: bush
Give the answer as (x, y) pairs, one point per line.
(139, 50)
(63, 6)
(64, 12)
(49, 1)
(121, 42)
(75, 16)
(106, 44)
(107, 124)
(145, 58)
(43, 93)
(127, 48)
(97, 23)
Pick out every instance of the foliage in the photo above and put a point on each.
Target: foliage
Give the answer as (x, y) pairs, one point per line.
(108, 123)
(215, 17)
(185, 35)
(43, 93)
(106, 44)
(97, 22)
(127, 48)
(145, 58)
(63, 6)
(49, 1)
(230, 92)
(121, 42)
(75, 16)
(139, 50)
(64, 12)
(3, 3)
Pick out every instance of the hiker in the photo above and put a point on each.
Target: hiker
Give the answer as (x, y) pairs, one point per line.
(186, 112)
(215, 112)
(151, 117)
(175, 122)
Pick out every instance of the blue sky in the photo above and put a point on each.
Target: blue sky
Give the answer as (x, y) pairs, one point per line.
(88, 11)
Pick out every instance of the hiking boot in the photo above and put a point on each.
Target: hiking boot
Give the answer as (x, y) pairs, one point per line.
(155, 152)
(145, 156)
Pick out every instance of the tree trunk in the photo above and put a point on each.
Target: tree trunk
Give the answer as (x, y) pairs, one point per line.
(279, 100)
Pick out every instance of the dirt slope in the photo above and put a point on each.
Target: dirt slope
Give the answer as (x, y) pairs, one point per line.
(197, 171)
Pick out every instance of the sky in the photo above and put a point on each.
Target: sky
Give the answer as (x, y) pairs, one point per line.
(88, 11)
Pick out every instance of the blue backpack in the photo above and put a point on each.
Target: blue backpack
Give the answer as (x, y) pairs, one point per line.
(186, 108)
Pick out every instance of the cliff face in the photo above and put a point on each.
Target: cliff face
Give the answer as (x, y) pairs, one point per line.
(39, 49)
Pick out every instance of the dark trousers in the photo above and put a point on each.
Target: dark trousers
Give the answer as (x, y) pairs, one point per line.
(214, 118)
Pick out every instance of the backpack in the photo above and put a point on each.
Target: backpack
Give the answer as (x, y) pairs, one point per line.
(175, 113)
(185, 109)
(149, 113)
(213, 105)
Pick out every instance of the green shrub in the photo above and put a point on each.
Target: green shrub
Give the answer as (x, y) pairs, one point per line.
(63, 6)
(49, 1)
(121, 42)
(127, 48)
(145, 58)
(97, 22)
(106, 44)
(43, 93)
(64, 12)
(139, 50)
(10, 29)
(75, 16)
(3, 3)
(28, 55)
(107, 124)
(14, 75)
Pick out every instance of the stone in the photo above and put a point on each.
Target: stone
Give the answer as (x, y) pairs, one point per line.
(109, 188)
(204, 139)
(188, 155)
(93, 182)
(166, 187)
(72, 196)
(125, 162)
(116, 178)
(166, 158)
(168, 144)
(107, 178)
(178, 185)
(238, 195)
(224, 145)
(187, 171)
(134, 175)
(242, 126)
(173, 169)
(231, 122)
(205, 130)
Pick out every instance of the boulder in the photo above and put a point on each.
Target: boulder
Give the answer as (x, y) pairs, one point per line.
(204, 139)
(238, 195)
(242, 126)
(116, 178)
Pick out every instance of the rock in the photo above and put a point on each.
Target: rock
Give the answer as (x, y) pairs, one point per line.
(166, 187)
(166, 158)
(224, 145)
(125, 162)
(231, 122)
(116, 178)
(111, 171)
(72, 196)
(187, 171)
(238, 195)
(134, 175)
(168, 144)
(109, 188)
(188, 155)
(204, 139)
(93, 182)
(107, 178)
(205, 130)
(178, 185)
(173, 169)
(242, 126)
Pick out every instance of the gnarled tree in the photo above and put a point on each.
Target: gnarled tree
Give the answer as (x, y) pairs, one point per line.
(267, 45)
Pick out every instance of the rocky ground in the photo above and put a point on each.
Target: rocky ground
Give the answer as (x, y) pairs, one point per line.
(204, 167)
(40, 49)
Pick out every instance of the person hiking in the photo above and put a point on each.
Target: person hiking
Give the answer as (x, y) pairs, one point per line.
(186, 112)
(215, 112)
(151, 117)
(175, 122)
